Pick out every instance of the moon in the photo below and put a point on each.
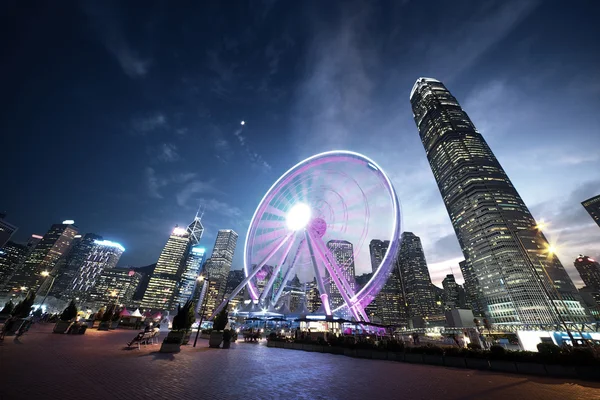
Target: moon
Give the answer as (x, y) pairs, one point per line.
(243, 123)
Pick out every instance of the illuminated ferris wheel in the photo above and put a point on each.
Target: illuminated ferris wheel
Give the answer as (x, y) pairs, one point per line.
(330, 198)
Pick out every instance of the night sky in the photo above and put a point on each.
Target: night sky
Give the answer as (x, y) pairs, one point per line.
(125, 116)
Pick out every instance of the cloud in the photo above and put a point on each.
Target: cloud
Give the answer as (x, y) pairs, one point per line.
(195, 187)
(221, 208)
(154, 183)
(168, 153)
(105, 17)
(256, 160)
(149, 123)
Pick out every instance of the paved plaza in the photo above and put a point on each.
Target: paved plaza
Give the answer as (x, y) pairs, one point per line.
(96, 365)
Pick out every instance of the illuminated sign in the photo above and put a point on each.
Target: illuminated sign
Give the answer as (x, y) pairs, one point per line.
(198, 250)
(68, 222)
(36, 236)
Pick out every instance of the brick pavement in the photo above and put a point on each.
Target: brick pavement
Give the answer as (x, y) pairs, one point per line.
(43, 365)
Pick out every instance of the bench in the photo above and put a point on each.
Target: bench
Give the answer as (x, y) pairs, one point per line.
(146, 339)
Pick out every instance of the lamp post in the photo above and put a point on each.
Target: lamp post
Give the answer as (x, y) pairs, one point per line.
(203, 309)
(47, 274)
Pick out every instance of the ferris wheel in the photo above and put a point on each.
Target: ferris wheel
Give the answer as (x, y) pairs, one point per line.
(316, 222)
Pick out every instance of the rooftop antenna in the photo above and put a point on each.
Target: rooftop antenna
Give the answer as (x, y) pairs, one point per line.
(451, 270)
(198, 212)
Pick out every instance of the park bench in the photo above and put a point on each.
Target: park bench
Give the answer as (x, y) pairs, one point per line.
(146, 339)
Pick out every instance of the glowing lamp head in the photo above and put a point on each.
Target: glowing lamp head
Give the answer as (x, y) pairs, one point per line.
(45, 273)
(552, 249)
(298, 217)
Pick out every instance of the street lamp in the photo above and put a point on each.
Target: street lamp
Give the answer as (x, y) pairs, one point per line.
(204, 299)
(46, 275)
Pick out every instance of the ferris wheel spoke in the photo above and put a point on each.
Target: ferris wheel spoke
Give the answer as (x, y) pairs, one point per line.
(322, 292)
(276, 270)
(288, 274)
(335, 271)
(271, 224)
(274, 211)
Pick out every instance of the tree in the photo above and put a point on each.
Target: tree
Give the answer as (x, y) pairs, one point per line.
(23, 308)
(185, 317)
(110, 311)
(69, 313)
(8, 307)
(221, 319)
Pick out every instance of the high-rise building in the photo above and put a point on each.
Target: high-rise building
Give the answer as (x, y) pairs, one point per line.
(54, 245)
(473, 293)
(11, 255)
(189, 278)
(103, 254)
(592, 206)
(493, 225)
(343, 252)
(195, 230)
(114, 285)
(451, 294)
(164, 281)
(389, 306)
(217, 268)
(416, 282)
(313, 299)
(6, 230)
(68, 267)
(32, 242)
(589, 270)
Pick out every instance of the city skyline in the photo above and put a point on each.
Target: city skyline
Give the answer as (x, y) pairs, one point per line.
(171, 121)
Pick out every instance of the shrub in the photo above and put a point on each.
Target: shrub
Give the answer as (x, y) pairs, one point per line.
(220, 321)
(110, 311)
(548, 349)
(474, 346)
(8, 307)
(116, 315)
(497, 352)
(185, 317)
(23, 308)
(69, 313)
(272, 336)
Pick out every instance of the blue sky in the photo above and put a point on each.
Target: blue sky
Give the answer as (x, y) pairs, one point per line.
(125, 117)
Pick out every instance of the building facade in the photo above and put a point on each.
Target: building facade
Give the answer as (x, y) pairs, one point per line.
(343, 253)
(54, 245)
(114, 285)
(11, 256)
(589, 270)
(416, 281)
(493, 225)
(451, 294)
(162, 287)
(103, 254)
(6, 230)
(217, 268)
(189, 278)
(389, 306)
(592, 206)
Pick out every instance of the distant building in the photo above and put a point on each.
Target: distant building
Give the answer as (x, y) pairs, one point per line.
(189, 278)
(146, 273)
(217, 268)
(377, 249)
(416, 281)
(451, 294)
(11, 256)
(389, 306)
(163, 283)
(473, 293)
(313, 299)
(6, 230)
(235, 277)
(592, 206)
(104, 254)
(589, 270)
(115, 285)
(54, 245)
(343, 252)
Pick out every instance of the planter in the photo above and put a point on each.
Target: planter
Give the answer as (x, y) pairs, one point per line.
(393, 356)
(350, 352)
(186, 337)
(531, 368)
(588, 372)
(205, 336)
(170, 347)
(96, 323)
(216, 337)
(456, 362)
(563, 371)
(503, 366)
(433, 359)
(378, 355)
(413, 358)
(226, 344)
(104, 326)
(363, 353)
(477, 363)
(61, 326)
(114, 324)
(337, 350)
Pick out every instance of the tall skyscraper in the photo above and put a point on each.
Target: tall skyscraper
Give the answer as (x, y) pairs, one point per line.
(217, 268)
(343, 252)
(451, 292)
(103, 254)
(115, 285)
(6, 230)
(494, 227)
(592, 206)
(416, 282)
(54, 245)
(11, 255)
(195, 230)
(589, 270)
(164, 281)
(389, 304)
(68, 267)
(189, 278)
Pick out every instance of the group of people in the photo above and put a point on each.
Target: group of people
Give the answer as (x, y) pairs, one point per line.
(148, 328)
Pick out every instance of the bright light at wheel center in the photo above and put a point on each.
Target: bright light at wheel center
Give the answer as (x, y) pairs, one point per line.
(298, 217)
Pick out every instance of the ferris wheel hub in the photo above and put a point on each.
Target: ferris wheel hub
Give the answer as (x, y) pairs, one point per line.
(298, 217)
(318, 226)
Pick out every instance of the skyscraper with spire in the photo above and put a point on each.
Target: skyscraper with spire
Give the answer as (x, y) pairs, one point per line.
(518, 280)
